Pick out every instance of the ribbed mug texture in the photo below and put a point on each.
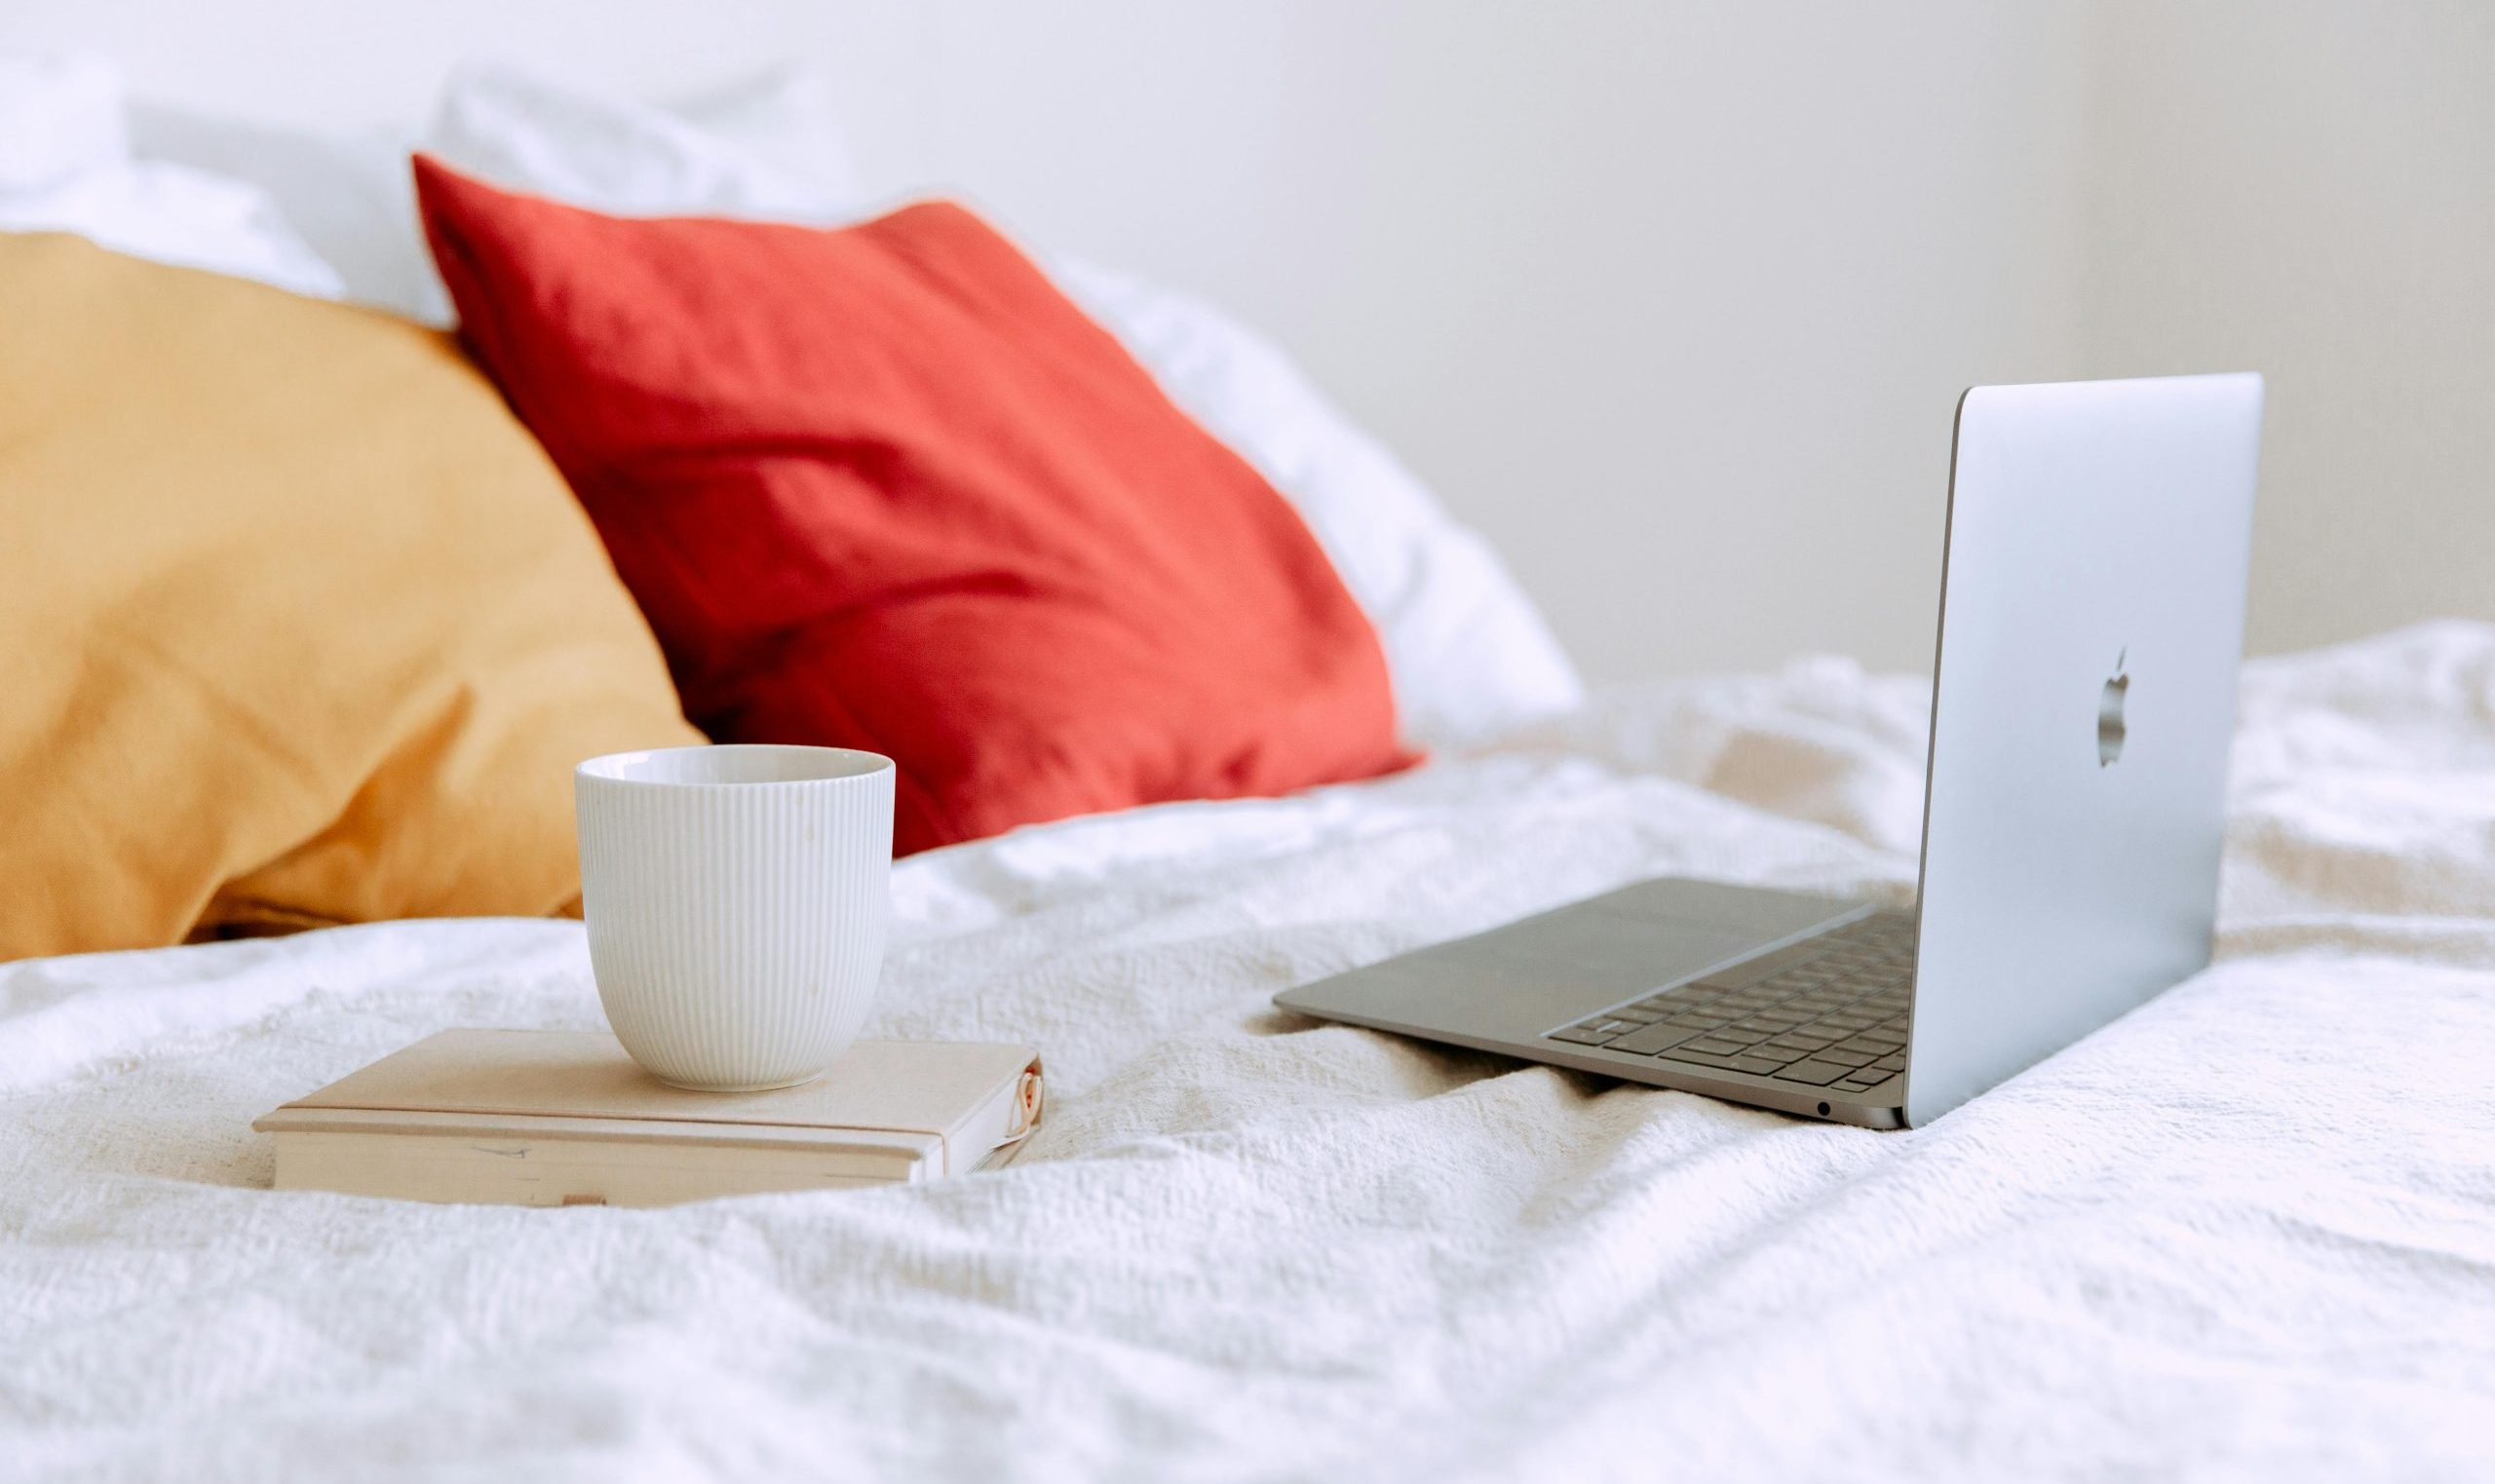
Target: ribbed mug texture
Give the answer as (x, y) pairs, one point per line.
(736, 913)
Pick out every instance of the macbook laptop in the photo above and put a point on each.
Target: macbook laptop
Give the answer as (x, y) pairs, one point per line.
(2091, 616)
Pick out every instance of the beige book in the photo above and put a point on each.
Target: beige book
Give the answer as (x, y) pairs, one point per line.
(564, 1118)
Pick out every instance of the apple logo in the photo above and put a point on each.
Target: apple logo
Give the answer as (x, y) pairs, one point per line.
(2109, 713)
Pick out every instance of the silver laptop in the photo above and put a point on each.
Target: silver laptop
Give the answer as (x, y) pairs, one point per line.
(2091, 615)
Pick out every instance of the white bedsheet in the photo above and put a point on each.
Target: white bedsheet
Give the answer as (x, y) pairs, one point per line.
(2247, 1231)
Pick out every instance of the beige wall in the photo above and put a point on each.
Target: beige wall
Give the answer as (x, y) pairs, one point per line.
(2308, 189)
(1673, 300)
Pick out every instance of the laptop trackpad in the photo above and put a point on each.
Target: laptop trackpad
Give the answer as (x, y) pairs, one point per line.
(1518, 981)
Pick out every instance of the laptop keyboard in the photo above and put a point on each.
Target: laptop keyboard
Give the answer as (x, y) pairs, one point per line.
(1830, 1011)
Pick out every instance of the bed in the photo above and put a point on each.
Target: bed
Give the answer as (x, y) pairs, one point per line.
(2247, 1231)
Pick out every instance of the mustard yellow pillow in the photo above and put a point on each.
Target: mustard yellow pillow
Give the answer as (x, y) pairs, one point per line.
(297, 624)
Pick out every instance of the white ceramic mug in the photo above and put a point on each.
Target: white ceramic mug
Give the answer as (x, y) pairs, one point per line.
(737, 898)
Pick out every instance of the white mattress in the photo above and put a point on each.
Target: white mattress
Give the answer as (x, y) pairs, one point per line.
(2249, 1230)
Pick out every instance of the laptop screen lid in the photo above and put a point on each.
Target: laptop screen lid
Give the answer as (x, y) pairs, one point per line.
(2083, 709)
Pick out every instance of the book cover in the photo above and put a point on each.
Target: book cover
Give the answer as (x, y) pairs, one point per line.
(565, 1117)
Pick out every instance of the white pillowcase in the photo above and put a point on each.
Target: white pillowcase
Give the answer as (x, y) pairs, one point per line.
(767, 148)
(348, 195)
(1468, 655)
(59, 116)
(66, 166)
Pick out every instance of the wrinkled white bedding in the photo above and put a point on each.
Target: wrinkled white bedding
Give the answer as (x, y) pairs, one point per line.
(2249, 1230)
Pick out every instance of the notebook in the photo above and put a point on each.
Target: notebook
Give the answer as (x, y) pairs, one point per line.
(565, 1117)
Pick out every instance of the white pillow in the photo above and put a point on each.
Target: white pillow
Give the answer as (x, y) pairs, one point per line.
(349, 196)
(66, 166)
(59, 116)
(767, 149)
(763, 147)
(1468, 653)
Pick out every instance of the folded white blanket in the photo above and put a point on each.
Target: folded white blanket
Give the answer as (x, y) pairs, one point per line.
(2247, 1230)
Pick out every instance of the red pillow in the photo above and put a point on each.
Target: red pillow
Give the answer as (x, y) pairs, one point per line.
(885, 487)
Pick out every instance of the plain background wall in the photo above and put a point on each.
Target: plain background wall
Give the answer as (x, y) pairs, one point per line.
(2308, 189)
(1674, 301)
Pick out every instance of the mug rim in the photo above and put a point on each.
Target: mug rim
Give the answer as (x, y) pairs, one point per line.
(858, 765)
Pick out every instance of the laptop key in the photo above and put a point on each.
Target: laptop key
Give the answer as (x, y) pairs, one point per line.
(1654, 1038)
(1719, 1045)
(1756, 1066)
(1765, 965)
(1817, 1073)
(1579, 1036)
